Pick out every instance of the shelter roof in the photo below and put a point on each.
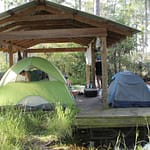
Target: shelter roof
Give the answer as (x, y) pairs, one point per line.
(42, 21)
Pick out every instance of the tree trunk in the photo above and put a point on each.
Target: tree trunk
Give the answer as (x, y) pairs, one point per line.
(80, 4)
(147, 26)
(97, 7)
(115, 62)
(119, 61)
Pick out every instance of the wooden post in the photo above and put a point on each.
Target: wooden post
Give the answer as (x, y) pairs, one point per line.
(93, 64)
(104, 70)
(10, 51)
(25, 54)
(88, 65)
(88, 72)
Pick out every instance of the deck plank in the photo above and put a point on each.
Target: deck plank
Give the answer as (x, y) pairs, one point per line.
(92, 115)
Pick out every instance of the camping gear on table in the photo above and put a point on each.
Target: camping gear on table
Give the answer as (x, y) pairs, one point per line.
(49, 90)
(128, 90)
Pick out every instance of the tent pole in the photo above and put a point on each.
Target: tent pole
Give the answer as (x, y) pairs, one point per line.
(104, 71)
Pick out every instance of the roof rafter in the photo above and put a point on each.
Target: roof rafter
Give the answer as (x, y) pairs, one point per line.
(57, 33)
(18, 13)
(42, 21)
(44, 17)
(5, 44)
(47, 50)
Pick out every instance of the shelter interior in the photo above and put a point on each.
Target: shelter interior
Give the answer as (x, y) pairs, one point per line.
(42, 21)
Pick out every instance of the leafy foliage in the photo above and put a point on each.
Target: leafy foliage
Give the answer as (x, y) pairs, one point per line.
(71, 64)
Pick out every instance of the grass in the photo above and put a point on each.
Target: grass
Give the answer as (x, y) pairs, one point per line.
(60, 124)
(11, 129)
(21, 130)
(39, 130)
(121, 143)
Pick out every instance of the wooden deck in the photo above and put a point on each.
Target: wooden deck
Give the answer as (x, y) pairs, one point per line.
(92, 115)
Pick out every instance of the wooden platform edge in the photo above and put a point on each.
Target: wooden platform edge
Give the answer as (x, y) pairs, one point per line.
(111, 122)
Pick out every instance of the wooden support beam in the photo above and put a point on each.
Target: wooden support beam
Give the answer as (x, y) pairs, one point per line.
(119, 30)
(4, 49)
(79, 17)
(25, 54)
(88, 74)
(36, 25)
(48, 50)
(10, 51)
(104, 70)
(6, 45)
(93, 64)
(82, 41)
(43, 17)
(9, 17)
(55, 33)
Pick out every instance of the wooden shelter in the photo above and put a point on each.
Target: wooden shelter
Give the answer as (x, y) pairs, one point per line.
(41, 21)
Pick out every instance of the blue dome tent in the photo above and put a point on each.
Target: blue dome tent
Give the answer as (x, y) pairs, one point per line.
(128, 90)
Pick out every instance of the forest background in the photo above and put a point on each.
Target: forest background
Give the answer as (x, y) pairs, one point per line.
(132, 54)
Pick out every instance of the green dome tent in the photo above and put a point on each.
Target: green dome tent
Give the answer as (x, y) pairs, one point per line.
(51, 90)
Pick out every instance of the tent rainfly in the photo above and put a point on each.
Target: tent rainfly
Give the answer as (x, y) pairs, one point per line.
(128, 90)
(50, 90)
